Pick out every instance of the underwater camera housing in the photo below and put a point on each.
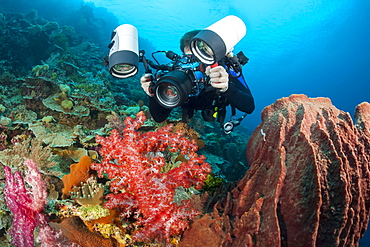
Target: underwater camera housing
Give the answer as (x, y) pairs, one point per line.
(175, 82)
(184, 77)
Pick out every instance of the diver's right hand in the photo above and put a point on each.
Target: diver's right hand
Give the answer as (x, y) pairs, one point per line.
(146, 80)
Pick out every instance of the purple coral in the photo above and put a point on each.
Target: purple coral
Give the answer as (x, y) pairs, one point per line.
(27, 205)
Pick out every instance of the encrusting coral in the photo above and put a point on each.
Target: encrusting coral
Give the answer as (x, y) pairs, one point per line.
(61, 102)
(54, 134)
(133, 162)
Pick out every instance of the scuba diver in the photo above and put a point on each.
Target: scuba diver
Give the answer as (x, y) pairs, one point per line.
(227, 88)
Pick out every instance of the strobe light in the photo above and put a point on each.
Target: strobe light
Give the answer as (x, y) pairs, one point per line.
(124, 52)
(213, 43)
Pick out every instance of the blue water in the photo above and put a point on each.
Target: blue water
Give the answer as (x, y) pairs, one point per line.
(314, 47)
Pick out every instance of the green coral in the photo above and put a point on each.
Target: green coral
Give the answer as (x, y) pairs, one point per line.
(54, 75)
(65, 88)
(67, 104)
(2, 213)
(92, 212)
(212, 183)
(40, 69)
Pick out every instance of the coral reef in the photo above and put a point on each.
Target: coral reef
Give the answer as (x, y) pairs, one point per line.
(56, 96)
(133, 162)
(308, 182)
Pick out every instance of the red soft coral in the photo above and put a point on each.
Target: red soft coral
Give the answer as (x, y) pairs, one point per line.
(133, 162)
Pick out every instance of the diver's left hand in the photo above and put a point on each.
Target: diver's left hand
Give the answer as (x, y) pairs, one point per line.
(218, 77)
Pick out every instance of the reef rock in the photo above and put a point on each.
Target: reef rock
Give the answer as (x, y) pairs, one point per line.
(308, 182)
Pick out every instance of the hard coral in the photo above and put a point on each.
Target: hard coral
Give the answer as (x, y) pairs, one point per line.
(89, 193)
(133, 161)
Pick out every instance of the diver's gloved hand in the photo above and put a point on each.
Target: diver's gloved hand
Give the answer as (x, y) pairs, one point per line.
(218, 78)
(146, 80)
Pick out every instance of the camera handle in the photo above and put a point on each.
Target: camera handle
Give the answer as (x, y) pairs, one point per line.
(143, 59)
(232, 123)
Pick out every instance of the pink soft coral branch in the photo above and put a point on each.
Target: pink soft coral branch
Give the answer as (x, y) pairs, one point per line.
(24, 218)
(27, 205)
(133, 161)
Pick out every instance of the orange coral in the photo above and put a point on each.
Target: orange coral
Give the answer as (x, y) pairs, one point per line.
(79, 172)
(190, 133)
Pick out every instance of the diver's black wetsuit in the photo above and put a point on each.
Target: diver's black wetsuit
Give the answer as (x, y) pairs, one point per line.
(237, 95)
